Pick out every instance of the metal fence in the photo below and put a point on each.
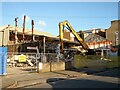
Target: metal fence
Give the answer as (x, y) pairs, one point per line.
(32, 59)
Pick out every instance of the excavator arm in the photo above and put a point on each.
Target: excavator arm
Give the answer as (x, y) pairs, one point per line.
(69, 27)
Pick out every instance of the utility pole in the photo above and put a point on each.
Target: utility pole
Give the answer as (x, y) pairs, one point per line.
(24, 28)
(16, 25)
(32, 30)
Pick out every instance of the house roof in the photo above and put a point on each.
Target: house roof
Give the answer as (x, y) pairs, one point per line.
(94, 38)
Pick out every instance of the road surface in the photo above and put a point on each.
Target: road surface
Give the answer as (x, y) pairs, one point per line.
(107, 79)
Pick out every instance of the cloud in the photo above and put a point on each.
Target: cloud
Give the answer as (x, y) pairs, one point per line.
(27, 18)
(42, 23)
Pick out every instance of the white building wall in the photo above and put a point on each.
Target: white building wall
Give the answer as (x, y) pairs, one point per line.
(99, 45)
(1, 33)
(4, 37)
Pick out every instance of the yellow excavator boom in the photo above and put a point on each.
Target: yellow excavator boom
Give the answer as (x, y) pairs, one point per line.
(80, 40)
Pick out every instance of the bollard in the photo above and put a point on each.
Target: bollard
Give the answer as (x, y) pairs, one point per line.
(39, 68)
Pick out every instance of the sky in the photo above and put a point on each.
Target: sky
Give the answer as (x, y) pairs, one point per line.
(47, 15)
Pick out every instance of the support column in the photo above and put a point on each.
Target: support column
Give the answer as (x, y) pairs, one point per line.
(24, 29)
(44, 57)
(44, 45)
(16, 24)
(32, 30)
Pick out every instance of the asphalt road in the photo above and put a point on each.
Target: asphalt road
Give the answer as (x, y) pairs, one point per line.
(111, 73)
(107, 79)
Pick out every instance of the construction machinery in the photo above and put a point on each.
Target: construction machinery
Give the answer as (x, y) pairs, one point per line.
(66, 24)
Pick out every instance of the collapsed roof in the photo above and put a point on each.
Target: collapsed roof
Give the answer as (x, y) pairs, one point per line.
(94, 38)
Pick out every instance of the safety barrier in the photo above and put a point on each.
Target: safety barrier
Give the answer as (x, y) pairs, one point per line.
(51, 66)
(3, 59)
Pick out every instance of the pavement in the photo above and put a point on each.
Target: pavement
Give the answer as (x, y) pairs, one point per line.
(6, 81)
(18, 77)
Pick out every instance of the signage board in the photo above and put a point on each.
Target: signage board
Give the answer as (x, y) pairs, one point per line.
(22, 58)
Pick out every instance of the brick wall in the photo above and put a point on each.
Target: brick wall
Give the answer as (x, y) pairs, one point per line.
(110, 32)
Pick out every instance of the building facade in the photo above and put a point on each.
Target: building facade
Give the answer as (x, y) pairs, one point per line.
(113, 34)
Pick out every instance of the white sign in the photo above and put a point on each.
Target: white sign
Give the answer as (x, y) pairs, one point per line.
(34, 48)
